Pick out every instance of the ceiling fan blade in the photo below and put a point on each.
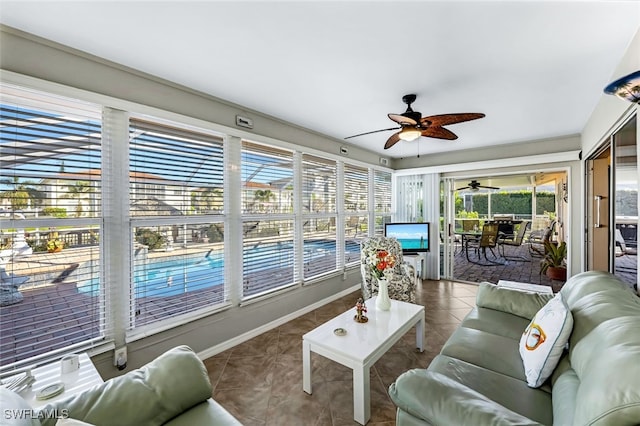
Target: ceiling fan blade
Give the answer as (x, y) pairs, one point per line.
(402, 119)
(488, 187)
(444, 119)
(464, 187)
(439, 133)
(392, 140)
(375, 131)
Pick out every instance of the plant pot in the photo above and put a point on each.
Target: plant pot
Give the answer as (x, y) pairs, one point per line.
(55, 250)
(557, 273)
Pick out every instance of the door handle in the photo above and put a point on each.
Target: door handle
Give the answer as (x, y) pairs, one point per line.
(598, 199)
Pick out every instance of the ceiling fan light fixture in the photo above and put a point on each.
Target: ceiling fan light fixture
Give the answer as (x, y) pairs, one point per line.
(410, 134)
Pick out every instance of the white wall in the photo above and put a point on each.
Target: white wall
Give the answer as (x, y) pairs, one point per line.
(610, 108)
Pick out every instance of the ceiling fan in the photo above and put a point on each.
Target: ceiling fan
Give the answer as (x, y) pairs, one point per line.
(474, 185)
(413, 124)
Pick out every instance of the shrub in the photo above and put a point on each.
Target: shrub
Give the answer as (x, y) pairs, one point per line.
(152, 239)
(58, 212)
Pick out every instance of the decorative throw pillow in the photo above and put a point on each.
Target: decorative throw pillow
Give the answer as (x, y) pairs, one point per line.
(544, 339)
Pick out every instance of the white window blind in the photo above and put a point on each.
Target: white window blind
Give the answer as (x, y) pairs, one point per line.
(267, 179)
(382, 195)
(176, 178)
(318, 184)
(319, 244)
(267, 256)
(319, 181)
(356, 206)
(411, 199)
(50, 208)
(267, 209)
(174, 171)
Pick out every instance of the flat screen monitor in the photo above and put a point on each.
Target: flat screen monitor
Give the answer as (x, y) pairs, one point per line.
(413, 237)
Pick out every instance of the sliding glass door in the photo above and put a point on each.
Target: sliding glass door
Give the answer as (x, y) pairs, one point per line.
(612, 205)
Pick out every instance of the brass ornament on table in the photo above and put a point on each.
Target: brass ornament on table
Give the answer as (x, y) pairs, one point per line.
(361, 310)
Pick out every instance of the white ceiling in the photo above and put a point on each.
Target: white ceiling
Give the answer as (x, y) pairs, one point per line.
(536, 69)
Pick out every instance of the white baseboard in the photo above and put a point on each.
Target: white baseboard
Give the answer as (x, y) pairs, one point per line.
(214, 350)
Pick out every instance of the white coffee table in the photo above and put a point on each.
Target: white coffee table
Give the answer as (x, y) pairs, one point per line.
(362, 346)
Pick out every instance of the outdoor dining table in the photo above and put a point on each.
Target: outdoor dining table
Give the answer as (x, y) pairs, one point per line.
(505, 226)
(468, 235)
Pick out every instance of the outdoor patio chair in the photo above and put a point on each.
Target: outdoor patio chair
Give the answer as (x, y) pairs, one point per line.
(537, 239)
(514, 240)
(9, 283)
(402, 284)
(487, 240)
(354, 223)
(621, 245)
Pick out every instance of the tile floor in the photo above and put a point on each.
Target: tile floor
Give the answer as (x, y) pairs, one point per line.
(260, 381)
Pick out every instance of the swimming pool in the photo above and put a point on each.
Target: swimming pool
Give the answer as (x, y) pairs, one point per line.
(178, 275)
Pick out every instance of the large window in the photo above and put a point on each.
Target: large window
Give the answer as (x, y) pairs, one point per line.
(176, 179)
(116, 225)
(382, 195)
(268, 255)
(319, 182)
(50, 208)
(356, 208)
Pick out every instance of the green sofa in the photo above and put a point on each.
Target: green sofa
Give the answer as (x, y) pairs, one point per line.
(478, 377)
(174, 389)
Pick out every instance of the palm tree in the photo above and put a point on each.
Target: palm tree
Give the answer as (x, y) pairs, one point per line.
(207, 200)
(263, 196)
(78, 191)
(21, 194)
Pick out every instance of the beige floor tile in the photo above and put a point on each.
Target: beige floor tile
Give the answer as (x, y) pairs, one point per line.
(260, 381)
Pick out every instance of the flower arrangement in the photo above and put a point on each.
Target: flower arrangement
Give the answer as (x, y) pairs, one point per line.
(381, 263)
(55, 245)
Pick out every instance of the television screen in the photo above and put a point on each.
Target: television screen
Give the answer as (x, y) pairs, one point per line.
(413, 237)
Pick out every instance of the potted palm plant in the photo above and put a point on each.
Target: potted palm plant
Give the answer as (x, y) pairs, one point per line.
(553, 264)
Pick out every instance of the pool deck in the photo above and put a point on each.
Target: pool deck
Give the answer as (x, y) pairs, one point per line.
(59, 302)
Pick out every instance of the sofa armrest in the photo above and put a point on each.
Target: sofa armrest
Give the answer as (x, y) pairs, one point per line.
(205, 413)
(151, 395)
(520, 303)
(439, 400)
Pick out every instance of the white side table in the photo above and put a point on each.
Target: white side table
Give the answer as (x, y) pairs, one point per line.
(46, 375)
(417, 261)
(532, 288)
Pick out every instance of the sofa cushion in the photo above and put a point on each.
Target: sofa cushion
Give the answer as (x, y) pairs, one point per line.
(544, 339)
(449, 402)
(205, 413)
(505, 391)
(564, 394)
(604, 349)
(486, 350)
(166, 387)
(520, 303)
(496, 322)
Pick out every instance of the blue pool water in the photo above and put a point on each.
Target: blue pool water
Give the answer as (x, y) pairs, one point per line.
(413, 243)
(178, 275)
